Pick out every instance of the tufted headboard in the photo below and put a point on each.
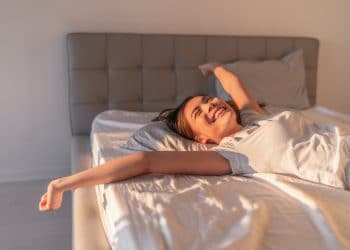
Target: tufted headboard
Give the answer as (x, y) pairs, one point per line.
(150, 72)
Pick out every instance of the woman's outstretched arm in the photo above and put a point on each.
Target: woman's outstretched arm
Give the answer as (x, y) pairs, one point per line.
(126, 167)
(232, 85)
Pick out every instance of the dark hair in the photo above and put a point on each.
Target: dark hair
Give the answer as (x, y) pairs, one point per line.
(175, 119)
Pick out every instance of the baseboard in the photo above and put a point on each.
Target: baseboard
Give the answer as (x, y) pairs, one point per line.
(42, 173)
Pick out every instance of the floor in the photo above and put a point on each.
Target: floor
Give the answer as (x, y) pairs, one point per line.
(22, 226)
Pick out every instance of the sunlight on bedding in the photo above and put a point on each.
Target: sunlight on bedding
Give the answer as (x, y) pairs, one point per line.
(268, 211)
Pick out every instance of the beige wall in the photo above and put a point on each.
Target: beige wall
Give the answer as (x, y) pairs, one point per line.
(34, 131)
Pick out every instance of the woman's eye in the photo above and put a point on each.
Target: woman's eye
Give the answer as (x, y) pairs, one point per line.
(208, 99)
(198, 113)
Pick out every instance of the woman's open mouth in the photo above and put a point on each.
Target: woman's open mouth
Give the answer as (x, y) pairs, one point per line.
(217, 113)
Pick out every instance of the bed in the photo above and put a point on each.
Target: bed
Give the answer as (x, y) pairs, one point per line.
(144, 73)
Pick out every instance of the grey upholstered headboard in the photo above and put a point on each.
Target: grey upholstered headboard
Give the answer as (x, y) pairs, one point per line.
(150, 72)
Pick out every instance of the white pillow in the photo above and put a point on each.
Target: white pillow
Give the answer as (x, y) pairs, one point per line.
(156, 136)
(279, 83)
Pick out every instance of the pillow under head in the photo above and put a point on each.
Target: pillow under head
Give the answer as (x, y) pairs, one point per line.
(156, 136)
(279, 83)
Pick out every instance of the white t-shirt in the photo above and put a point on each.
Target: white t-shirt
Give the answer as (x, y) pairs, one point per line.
(287, 143)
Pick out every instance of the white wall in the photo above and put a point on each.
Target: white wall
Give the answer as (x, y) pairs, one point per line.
(34, 127)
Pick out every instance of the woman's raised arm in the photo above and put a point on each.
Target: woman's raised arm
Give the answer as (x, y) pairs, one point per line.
(232, 85)
(126, 167)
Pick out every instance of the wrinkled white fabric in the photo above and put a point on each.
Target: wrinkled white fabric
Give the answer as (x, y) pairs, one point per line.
(156, 136)
(257, 211)
(287, 143)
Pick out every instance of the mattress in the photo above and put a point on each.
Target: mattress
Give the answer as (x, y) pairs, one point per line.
(257, 211)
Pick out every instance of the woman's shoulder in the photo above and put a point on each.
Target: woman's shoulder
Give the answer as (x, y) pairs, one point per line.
(249, 115)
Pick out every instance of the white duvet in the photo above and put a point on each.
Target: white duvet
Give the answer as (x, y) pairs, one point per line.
(259, 211)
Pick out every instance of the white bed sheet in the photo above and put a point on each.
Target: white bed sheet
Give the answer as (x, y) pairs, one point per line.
(259, 211)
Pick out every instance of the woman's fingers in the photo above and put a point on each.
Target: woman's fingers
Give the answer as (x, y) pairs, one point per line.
(43, 204)
(203, 69)
(208, 68)
(51, 200)
(44, 196)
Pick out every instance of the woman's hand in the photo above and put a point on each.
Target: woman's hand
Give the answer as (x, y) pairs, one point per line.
(52, 199)
(208, 68)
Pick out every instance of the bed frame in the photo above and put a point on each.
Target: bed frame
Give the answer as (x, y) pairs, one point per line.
(149, 72)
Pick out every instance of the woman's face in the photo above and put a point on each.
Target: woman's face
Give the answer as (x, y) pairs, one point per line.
(210, 119)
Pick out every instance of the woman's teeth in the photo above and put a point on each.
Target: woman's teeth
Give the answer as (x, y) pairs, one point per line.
(217, 113)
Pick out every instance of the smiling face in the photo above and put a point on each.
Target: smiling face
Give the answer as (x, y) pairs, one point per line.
(210, 119)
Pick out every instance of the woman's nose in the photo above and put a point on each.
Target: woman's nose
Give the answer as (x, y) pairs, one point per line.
(210, 106)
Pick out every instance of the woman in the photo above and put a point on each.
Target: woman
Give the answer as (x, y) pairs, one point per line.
(284, 143)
